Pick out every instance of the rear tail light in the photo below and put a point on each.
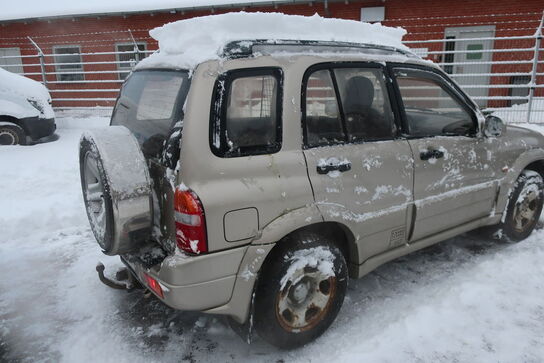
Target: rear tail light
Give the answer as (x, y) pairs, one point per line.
(190, 222)
(154, 285)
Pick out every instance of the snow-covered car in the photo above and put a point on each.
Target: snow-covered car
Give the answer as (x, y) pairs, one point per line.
(254, 180)
(25, 110)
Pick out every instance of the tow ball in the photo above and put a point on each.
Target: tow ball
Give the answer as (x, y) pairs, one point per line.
(124, 279)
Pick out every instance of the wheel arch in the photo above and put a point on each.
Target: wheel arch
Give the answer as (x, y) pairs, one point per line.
(259, 254)
(11, 119)
(537, 166)
(532, 160)
(338, 233)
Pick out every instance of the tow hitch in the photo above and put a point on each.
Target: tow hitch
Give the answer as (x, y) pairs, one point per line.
(124, 279)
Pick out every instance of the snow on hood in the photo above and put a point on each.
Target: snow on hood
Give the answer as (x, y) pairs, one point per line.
(15, 90)
(187, 43)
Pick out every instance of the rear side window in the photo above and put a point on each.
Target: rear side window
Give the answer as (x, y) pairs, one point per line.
(323, 121)
(346, 104)
(246, 113)
(365, 103)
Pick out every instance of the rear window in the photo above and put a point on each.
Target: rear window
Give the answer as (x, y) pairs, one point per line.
(150, 104)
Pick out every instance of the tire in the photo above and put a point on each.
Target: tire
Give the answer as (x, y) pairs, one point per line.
(524, 207)
(96, 194)
(116, 189)
(307, 275)
(12, 134)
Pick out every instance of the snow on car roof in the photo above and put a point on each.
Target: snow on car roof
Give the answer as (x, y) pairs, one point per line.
(187, 43)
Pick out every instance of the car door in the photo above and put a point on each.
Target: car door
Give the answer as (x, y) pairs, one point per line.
(453, 181)
(360, 172)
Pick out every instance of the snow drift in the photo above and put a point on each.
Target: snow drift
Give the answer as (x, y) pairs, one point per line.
(186, 43)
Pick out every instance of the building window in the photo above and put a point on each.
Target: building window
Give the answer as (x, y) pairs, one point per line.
(519, 91)
(449, 56)
(373, 14)
(68, 63)
(126, 61)
(10, 60)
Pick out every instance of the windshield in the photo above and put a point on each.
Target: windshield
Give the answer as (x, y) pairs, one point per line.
(150, 104)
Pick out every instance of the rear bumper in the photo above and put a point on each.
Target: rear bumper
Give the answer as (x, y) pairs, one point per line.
(193, 282)
(38, 128)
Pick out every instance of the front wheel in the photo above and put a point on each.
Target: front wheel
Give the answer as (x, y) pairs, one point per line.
(524, 206)
(11, 134)
(300, 291)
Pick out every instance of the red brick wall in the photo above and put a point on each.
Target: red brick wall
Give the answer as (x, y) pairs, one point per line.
(418, 17)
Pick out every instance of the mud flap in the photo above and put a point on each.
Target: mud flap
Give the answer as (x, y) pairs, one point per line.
(245, 330)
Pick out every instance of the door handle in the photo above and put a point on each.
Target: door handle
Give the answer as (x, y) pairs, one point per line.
(341, 167)
(431, 154)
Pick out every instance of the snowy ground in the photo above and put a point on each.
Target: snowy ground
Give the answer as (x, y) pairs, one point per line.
(464, 300)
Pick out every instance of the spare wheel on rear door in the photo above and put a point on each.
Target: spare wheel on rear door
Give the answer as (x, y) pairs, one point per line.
(116, 189)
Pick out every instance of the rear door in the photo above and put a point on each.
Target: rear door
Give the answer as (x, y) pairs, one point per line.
(360, 172)
(454, 182)
(150, 105)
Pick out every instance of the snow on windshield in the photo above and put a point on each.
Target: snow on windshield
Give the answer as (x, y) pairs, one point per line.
(186, 43)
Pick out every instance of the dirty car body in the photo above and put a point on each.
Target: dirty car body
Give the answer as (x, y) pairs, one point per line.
(285, 143)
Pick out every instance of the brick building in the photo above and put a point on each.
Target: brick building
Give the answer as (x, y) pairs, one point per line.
(88, 55)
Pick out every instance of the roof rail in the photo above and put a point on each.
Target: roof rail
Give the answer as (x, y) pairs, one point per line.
(248, 48)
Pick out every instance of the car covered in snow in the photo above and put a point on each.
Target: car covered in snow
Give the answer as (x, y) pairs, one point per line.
(253, 181)
(25, 110)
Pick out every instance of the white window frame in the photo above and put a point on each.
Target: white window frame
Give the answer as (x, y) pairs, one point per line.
(373, 14)
(141, 55)
(13, 64)
(74, 70)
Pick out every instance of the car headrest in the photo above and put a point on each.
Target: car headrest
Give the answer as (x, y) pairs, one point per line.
(359, 94)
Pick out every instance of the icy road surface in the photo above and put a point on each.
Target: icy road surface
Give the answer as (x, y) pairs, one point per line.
(464, 300)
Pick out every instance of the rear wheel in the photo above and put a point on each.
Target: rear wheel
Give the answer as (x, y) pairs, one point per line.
(11, 134)
(300, 291)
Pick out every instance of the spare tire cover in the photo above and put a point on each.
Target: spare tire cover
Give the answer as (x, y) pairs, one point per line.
(116, 189)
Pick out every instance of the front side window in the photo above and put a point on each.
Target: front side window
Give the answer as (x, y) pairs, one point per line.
(346, 104)
(246, 115)
(68, 63)
(431, 108)
(128, 56)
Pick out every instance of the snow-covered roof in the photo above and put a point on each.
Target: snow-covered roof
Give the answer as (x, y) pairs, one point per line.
(27, 9)
(187, 43)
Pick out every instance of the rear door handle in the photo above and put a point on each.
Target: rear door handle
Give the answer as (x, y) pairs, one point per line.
(341, 167)
(431, 154)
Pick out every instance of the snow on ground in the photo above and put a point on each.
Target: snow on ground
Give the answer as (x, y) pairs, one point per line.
(464, 300)
(518, 113)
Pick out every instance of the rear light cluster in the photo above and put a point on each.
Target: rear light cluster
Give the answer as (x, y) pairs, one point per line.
(190, 222)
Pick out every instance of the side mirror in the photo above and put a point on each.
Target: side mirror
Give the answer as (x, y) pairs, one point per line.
(493, 126)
